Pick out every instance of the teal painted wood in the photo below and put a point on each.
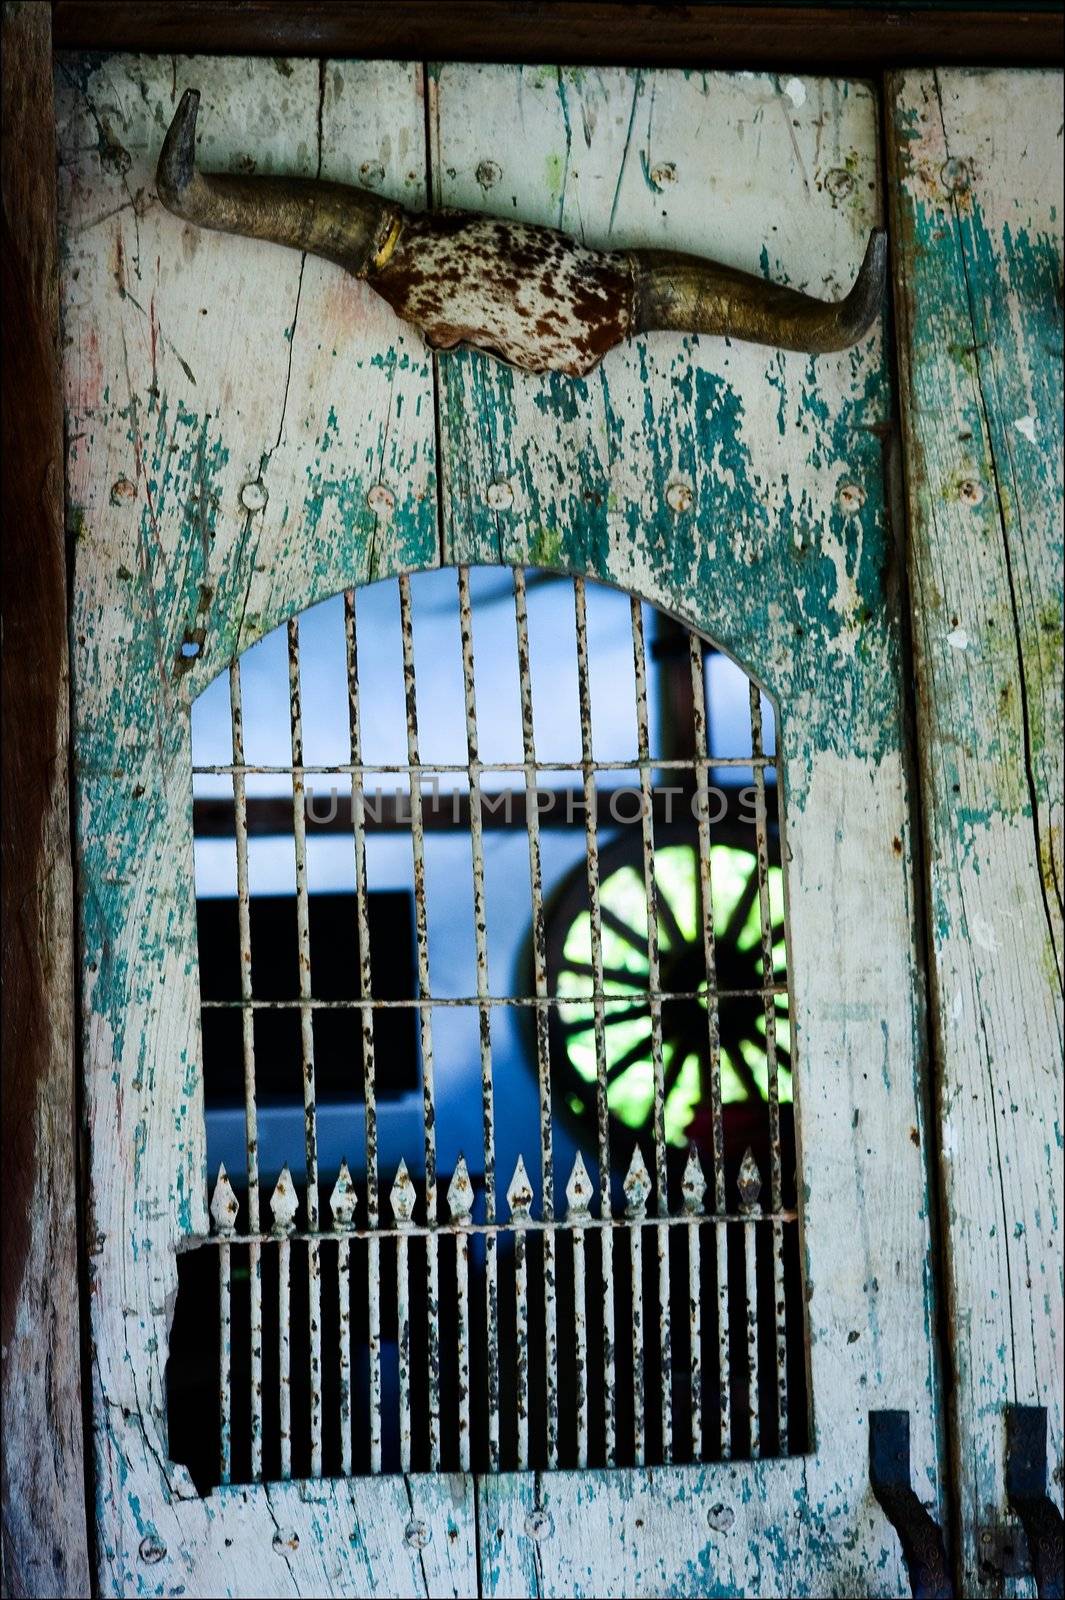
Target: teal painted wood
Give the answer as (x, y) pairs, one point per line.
(978, 161)
(686, 467)
(743, 490)
(247, 433)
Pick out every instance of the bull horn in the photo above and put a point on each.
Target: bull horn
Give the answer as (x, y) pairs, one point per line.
(529, 295)
(690, 295)
(346, 225)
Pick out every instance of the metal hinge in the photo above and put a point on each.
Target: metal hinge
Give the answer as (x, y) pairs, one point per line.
(1026, 1491)
(919, 1534)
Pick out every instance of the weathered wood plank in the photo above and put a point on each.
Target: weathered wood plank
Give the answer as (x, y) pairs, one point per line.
(978, 168)
(248, 432)
(44, 1542)
(741, 489)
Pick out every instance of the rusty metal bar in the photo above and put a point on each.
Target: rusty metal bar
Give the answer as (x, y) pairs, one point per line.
(225, 1361)
(724, 1392)
(519, 1199)
(403, 1209)
(367, 1007)
(283, 1205)
(654, 1001)
(532, 1225)
(425, 1014)
(579, 1198)
(484, 1012)
(460, 1204)
(706, 907)
(543, 1048)
(750, 1187)
(765, 917)
(619, 997)
(343, 768)
(342, 1205)
(693, 1188)
(303, 929)
(637, 1189)
(602, 1107)
(224, 1215)
(251, 1129)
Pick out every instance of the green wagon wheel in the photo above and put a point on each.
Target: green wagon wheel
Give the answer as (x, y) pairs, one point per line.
(627, 1020)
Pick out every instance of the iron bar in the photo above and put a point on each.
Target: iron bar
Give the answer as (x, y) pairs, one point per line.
(655, 1007)
(543, 1049)
(303, 930)
(367, 1007)
(283, 1206)
(425, 1014)
(602, 1107)
(750, 1185)
(765, 920)
(693, 1189)
(484, 1014)
(519, 1199)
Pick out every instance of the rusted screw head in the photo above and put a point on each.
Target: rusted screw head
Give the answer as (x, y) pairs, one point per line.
(851, 498)
(499, 495)
(664, 173)
(285, 1541)
(679, 497)
(253, 496)
(371, 173)
(488, 173)
(955, 175)
(839, 183)
(416, 1535)
(539, 1525)
(151, 1549)
(970, 491)
(381, 501)
(721, 1518)
(122, 490)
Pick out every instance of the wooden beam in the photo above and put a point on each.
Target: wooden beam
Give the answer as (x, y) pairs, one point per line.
(790, 37)
(45, 1550)
(976, 175)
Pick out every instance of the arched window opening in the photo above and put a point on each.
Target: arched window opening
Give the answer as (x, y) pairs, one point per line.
(496, 1045)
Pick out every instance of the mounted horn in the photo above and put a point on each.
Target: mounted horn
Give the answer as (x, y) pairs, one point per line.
(528, 295)
(346, 225)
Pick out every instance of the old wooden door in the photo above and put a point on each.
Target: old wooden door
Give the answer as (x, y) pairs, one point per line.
(251, 432)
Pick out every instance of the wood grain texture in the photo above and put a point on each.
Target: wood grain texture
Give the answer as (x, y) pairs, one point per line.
(247, 433)
(44, 1540)
(978, 167)
(790, 38)
(742, 490)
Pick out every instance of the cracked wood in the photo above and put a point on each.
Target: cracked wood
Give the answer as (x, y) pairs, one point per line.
(224, 470)
(978, 165)
(228, 470)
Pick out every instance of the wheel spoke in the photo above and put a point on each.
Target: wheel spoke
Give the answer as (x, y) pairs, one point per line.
(583, 969)
(629, 1059)
(611, 1018)
(672, 1073)
(668, 917)
(745, 1075)
(618, 925)
(742, 909)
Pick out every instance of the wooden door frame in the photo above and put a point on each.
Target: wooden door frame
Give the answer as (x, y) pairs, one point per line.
(46, 1535)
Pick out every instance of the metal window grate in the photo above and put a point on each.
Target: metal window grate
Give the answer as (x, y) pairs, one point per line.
(395, 1332)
